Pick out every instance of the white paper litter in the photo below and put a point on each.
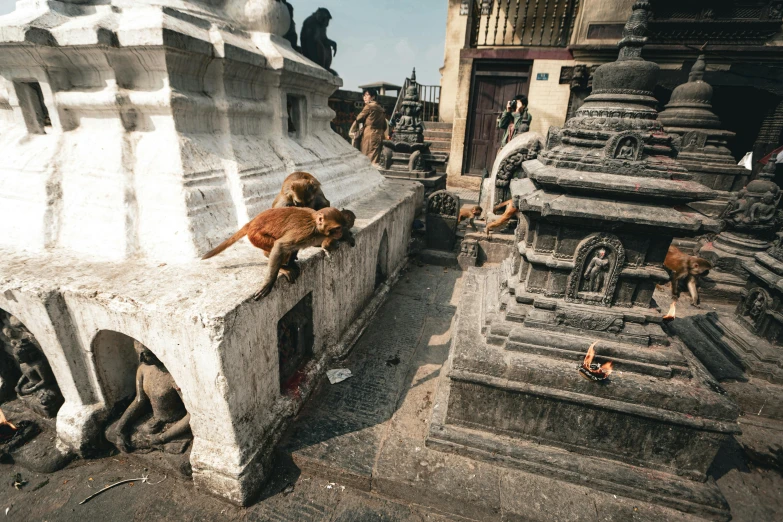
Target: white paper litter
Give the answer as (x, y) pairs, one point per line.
(338, 375)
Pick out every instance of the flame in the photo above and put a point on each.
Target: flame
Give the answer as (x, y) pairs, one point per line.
(593, 371)
(4, 421)
(590, 355)
(671, 313)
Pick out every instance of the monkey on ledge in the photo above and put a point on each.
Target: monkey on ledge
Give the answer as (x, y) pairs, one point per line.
(282, 232)
(316, 46)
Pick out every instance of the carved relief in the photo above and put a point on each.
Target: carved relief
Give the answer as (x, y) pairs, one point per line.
(693, 141)
(443, 203)
(588, 321)
(752, 210)
(597, 265)
(755, 306)
(625, 146)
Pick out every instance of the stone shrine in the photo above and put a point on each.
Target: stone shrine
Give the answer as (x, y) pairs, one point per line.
(700, 142)
(598, 212)
(751, 219)
(134, 137)
(407, 155)
(744, 352)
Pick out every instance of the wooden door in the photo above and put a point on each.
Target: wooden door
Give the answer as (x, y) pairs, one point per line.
(491, 90)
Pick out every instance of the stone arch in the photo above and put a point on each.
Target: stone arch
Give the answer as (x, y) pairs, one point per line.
(119, 360)
(115, 362)
(599, 285)
(382, 261)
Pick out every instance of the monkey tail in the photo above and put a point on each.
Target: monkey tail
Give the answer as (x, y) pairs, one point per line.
(227, 243)
(501, 205)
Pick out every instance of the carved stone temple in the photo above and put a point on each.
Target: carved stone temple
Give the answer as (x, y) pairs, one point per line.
(134, 137)
(598, 212)
(407, 155)
(701, 142)
(745, 352)
(751, 219)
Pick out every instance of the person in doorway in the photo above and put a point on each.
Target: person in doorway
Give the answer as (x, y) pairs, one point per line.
(515, 119)
(371, 125)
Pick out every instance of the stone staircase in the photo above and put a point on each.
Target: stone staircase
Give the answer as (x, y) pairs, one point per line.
(439, 134)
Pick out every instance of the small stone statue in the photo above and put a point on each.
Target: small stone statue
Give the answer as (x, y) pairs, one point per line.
(738, 206)
(756, 308)
(37, 387)
(405, 121)
(627, 150)
(763, 211)
(168, 428)
(595, 275)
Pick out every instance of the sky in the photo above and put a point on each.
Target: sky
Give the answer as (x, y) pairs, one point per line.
(376, 40)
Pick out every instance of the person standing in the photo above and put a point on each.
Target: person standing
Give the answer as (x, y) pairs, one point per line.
(515, 119)
(373, 120)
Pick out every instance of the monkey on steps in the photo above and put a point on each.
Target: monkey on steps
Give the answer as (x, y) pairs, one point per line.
(683, 268)
(281, 232)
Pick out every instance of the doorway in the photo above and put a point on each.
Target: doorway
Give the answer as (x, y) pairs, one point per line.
(492, 86)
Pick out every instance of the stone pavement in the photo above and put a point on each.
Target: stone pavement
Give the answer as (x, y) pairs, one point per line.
(359, 454)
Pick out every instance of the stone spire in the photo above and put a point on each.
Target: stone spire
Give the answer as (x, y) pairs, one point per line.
(617, 133)
(701, 143)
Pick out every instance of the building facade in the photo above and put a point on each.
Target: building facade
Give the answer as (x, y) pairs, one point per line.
(547, 50)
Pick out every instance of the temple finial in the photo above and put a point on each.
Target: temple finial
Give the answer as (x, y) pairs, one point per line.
(697, 71)
(634, 32)
(413, 75)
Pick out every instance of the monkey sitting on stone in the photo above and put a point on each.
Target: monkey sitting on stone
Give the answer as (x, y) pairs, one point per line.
(316, 46)
(509, 213)
(301, 189)
(687, 269)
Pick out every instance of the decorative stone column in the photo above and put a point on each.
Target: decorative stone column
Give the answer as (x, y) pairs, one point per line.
(701, 144)
(599, 210)
(751, 219)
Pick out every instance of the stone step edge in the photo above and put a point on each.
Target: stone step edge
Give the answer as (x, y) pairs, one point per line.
(451, 439)
(592, 401)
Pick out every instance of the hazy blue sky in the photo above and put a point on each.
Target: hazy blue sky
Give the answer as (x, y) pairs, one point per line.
(376, 40)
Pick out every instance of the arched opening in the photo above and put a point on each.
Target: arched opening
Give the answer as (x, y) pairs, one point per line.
(146, 409)
(25, 372)
(382, 262)
(115, 362)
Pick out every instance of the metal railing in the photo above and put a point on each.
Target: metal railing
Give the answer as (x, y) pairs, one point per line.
(537, 23)
(429, 95)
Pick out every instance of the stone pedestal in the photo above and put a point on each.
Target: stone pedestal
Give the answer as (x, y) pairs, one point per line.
(134, 137)
(599, 211)
(751, 219)
(407, 155)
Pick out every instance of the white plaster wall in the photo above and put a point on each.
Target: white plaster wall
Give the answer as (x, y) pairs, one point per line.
(165, 146)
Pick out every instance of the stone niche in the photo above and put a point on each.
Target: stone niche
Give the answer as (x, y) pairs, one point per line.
(168, 129)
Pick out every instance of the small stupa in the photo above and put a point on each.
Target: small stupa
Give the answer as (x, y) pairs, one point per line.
(700, 141)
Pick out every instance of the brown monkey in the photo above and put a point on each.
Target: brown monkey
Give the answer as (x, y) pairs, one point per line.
(350, 219)
(509, 213)
(301, 189)
(315, 44)
(682, 267)
(281, 232)
(469, 213)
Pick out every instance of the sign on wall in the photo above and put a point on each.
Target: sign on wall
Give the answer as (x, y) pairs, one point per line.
(544, 77)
